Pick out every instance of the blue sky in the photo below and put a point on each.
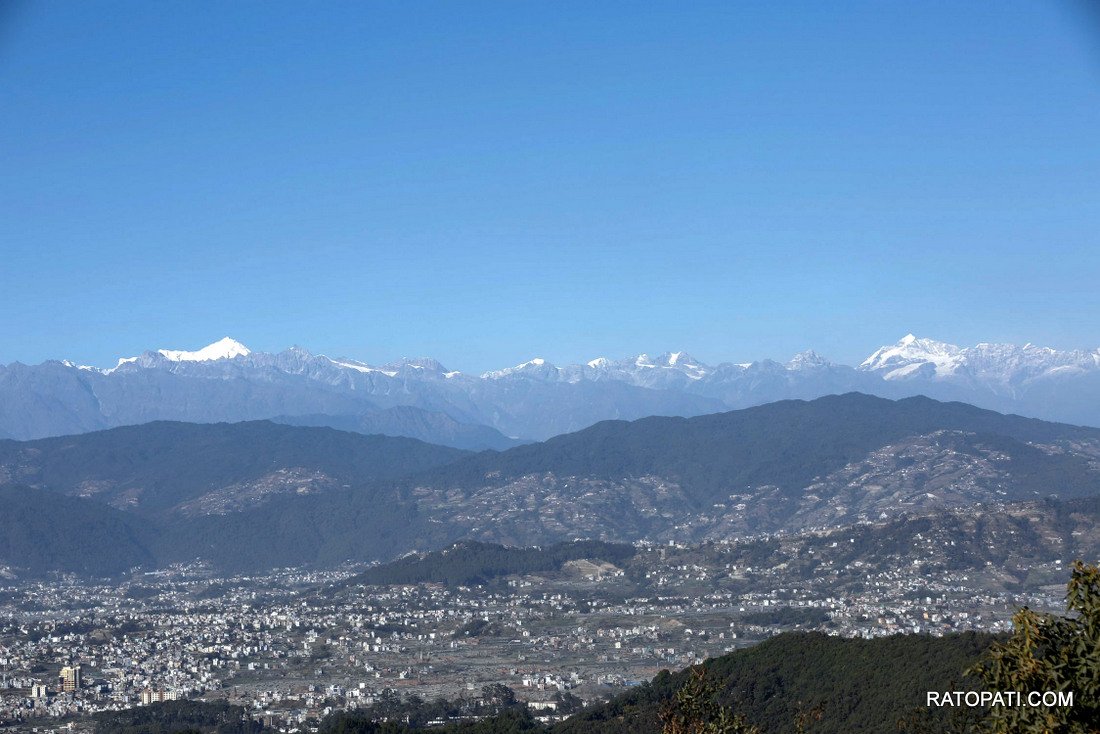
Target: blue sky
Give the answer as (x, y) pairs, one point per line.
(488, 182)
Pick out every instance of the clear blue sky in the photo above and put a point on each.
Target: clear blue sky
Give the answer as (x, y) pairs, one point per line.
(487, 182)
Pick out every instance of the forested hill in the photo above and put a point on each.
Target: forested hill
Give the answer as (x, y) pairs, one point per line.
(471, 562)
(45, 531)
(859, 686)
(161, 466)
(785, 444)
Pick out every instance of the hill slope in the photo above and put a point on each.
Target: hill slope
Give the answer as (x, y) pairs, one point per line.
(405, 420)
(782, 466)
(861, 686)
(786, 443)
(258, 494)
(474, 563)
(42, 531)
(199, 469)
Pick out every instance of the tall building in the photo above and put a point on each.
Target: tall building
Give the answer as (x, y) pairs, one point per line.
(149, 696)
(70, 678)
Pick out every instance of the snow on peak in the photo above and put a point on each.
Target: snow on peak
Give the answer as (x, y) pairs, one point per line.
(1005, 365)
(538, 364)
(677, 362)
(807, 360)
(75, 366)
(225, 348)
(352, 364)
(425, 363)
(911, 354)
(684, 363)
(679, 359)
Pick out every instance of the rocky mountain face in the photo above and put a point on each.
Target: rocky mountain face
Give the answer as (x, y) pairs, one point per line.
(226, 381)
(258, 495)
(782, 467)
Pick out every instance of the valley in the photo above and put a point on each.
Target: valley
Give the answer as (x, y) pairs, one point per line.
(303, 573)
(293, 646)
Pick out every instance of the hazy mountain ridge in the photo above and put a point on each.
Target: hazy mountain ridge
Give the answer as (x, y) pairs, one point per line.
(260, 495)
(404, 420)
(226, 381)
(162, 467)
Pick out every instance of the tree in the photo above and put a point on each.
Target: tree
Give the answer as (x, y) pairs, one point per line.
(496, 694)
(695, 710)
(567, 702)
(1050, 653)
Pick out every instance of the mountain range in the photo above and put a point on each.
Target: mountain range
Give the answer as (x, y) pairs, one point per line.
(420, 398)
(256, 495)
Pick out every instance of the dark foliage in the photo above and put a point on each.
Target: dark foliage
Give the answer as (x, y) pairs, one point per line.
(495, 711)
(171, 717)
(857, 685)
(43, 531)
(1048, 652)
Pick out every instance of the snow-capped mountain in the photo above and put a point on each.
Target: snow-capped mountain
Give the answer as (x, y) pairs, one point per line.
(226, 381)
(667, 370)
(997, 366)
(912, 355)
(224, 348)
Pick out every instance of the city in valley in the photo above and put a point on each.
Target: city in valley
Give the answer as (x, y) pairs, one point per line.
(293, 646)
(549, 368)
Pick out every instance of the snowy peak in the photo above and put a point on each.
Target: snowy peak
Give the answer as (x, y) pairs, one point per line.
(685, 363)
(76, 366)
(994, 365)
(679, 359)
(224, 348)
(426, 364)
(999, 369)
(537, 367)
(808, 360)
(911, 355)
